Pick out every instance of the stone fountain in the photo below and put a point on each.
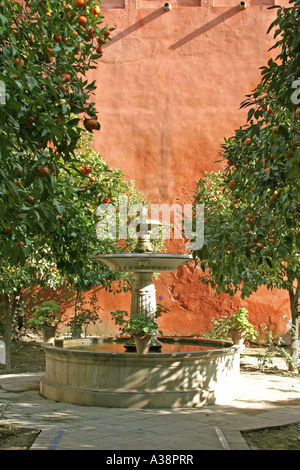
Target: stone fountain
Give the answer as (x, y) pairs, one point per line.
(85, 372)
(144, 263)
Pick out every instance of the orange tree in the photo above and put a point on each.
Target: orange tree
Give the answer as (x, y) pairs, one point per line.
(62, 256)
(252, 232)
(47, 48)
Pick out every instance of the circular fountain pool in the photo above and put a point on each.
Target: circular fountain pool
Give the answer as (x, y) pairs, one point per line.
(99, 372)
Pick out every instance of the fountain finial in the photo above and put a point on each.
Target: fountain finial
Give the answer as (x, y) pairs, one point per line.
(144, 230)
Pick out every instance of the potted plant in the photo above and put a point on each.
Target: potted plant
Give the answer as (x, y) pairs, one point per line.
(45, 318)
(141, 327)
(240, 328)
(237, 327)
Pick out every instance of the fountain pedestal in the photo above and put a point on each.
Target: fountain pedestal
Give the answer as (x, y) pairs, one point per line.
(143, 299)
(143, 302)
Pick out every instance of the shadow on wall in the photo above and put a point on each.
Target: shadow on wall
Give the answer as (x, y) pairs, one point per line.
(157, 13)
(206, 27)
(134, 27)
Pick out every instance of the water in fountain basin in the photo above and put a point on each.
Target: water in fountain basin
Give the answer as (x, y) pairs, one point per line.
(115, 347)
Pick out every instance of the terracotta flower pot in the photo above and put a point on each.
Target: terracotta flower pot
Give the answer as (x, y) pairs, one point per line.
(142, 343)
(48, 333)
(238, 336)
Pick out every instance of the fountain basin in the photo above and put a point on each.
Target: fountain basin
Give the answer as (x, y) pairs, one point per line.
(143, 262)
(143, 265)
(130, 380)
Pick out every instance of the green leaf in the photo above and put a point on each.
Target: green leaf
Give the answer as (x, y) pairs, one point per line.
(32, 83)
(64, 108)
(250, 114)
(2, 209)
(283, 131)
(3, 19)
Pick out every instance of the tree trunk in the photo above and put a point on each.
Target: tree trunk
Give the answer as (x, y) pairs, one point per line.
(11, 304)
(77, 301)
(294, 299)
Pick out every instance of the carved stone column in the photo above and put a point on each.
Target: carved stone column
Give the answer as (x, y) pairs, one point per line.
(143, 300)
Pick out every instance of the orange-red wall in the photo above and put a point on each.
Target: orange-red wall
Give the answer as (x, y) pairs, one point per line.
(169, 89)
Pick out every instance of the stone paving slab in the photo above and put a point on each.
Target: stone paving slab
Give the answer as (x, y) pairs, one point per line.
(265, 400)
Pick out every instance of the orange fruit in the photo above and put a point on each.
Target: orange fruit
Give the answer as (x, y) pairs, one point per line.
(106, 33)
(96, 10)
(66, 76)
(82, 20)
(40, 171)
(79, 3)
(29, 199)
(92, 124)
(50, 51)
(91, 33)
(99, 50)
(20, 62)
(60, 87)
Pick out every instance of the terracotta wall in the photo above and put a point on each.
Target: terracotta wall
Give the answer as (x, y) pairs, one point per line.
(169, 89)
